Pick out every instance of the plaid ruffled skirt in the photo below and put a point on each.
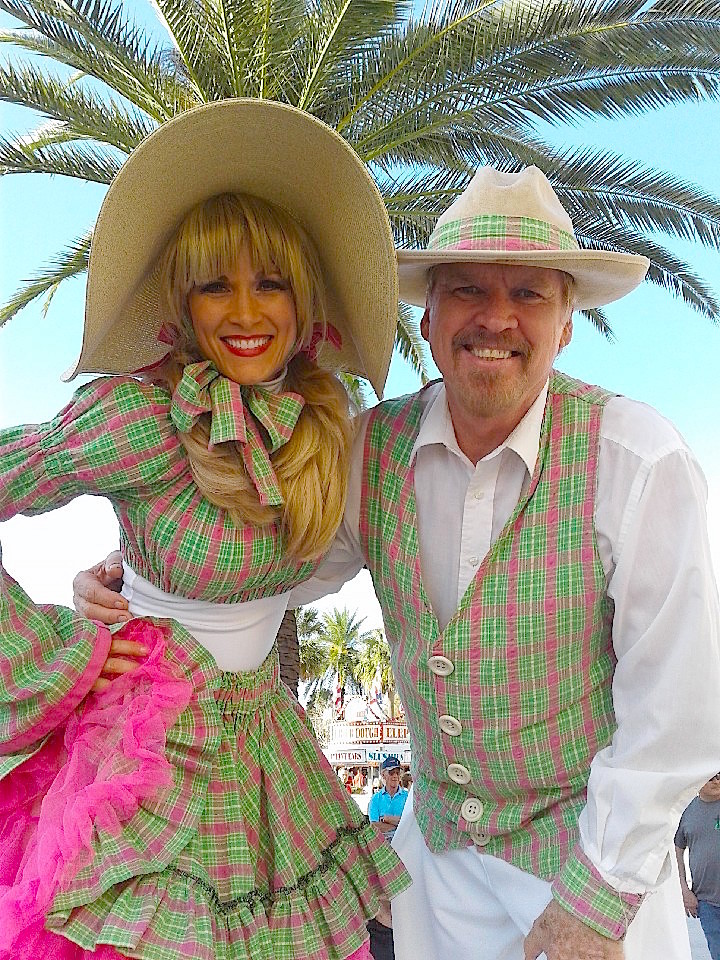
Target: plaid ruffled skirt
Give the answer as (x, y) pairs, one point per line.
(187, 811)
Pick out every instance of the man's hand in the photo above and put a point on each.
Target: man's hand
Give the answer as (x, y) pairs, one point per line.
(689, 902)
(563, 937)
(96, 592)
(387, 823)
(117, 662)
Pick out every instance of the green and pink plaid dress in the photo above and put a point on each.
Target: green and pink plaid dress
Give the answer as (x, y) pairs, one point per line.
(186, 811)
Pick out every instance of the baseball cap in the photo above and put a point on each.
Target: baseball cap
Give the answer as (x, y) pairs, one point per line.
(390, 763)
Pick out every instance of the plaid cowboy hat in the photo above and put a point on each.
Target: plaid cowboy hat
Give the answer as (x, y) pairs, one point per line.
(274, 152)
(517, 218)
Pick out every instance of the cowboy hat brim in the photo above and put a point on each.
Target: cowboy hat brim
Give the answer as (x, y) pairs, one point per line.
(601, 276)
(272, 151)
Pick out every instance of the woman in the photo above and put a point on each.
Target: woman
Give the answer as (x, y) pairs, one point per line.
(162, 794)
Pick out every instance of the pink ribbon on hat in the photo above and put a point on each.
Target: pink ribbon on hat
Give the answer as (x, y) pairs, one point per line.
(167, 334)
(329, 334)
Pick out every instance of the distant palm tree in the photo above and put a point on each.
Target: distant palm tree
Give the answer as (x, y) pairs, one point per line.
(313, 649)
(424, 97)
(334, 653)
(374, 659)
(341, 632)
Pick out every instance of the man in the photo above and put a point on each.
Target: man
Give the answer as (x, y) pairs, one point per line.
(386, 806)
(385, 809)
(539, 548)
(699, 833)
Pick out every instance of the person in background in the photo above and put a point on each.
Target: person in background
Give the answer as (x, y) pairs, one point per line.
(386, 806)
(699, 834)
(385, 809)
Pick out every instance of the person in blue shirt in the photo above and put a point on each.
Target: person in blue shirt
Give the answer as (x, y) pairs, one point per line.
(385, 809)
(386, 806)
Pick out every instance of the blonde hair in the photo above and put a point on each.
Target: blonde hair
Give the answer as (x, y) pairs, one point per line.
(312, 466)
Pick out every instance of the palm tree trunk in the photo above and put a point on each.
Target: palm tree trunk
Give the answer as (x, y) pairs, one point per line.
(289, 651)
(391, 698)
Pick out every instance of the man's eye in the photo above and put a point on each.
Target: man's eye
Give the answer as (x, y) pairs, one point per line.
(468, 291)
(527, 294)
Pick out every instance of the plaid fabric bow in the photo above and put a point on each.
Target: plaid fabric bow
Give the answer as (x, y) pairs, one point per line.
(237, 414)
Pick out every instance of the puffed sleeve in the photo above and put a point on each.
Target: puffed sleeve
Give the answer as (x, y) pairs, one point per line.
(114, 437)
(49, 659)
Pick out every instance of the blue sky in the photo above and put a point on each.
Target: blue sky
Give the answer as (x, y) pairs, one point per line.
(664, 353)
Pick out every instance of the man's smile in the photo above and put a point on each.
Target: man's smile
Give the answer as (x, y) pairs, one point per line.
(485, 353)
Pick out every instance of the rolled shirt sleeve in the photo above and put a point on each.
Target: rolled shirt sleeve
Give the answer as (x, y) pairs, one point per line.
(652, 530)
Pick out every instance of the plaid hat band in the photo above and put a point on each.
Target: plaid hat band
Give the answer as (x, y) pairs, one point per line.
(517, 218)
(497, 232)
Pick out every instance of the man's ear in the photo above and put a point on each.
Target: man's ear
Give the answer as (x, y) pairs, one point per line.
(566, 335)
(425, 325)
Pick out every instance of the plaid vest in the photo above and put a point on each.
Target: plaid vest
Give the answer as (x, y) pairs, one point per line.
(507, 706)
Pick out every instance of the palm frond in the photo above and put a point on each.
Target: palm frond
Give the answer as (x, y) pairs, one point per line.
(358, 390)
(93, 37)
(409, 344)
(82, 111)
(666, 269)
(336, 31)
(80, 161)
(69, 263)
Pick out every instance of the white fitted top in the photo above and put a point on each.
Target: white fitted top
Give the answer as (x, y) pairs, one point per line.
(238, 635)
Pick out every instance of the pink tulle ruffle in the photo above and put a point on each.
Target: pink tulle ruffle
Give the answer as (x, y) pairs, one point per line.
(37, 943)
(111, 760)
(363, 953)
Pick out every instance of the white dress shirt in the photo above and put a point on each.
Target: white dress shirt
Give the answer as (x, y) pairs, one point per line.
(651, 527)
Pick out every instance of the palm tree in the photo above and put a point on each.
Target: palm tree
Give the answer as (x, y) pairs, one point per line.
(374, 660)
(290, 652)
(334, 652)
(313, 649)
(424, 97)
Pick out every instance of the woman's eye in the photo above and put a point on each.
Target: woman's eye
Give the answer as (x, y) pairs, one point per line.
(272, 283)
(214, 286)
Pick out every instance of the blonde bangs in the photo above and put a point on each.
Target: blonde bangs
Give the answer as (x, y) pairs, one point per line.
(212, 238)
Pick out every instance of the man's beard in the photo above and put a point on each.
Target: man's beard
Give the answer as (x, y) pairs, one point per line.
(488, 392)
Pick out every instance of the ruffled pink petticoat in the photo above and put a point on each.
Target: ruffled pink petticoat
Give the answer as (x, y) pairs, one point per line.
(51, 805)
(93, 782)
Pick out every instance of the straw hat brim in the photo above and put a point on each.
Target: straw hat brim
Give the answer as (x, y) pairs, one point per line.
(601, 276)
(277, 153)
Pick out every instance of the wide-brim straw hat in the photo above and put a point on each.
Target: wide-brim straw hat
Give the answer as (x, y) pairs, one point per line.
(517, 218)
(272, 151)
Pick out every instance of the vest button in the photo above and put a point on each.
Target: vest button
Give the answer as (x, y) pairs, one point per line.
(471, 809)
(458, 773)
(440, 665)
(480, 838)
(450, 726)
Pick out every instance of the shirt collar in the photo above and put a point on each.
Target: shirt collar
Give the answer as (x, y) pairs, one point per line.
(436, 427)
(396, 794)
